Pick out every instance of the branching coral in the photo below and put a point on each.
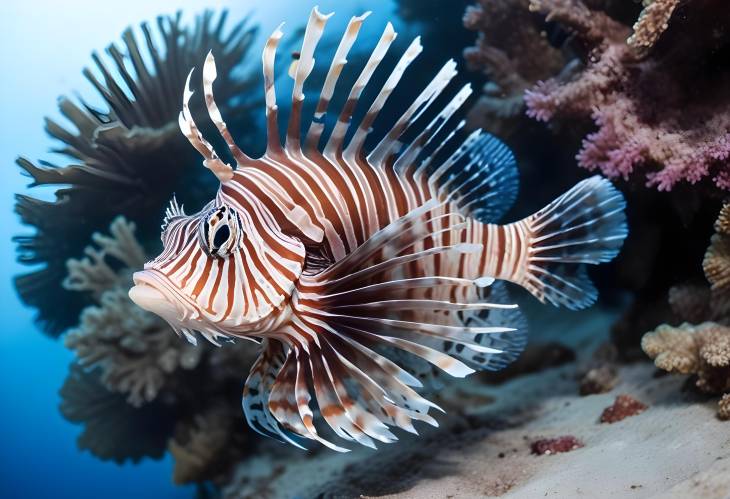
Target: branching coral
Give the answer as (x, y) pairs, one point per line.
(129, 158)
(653, 21)
(702, 350)
(135, 350)
(513, 52)
(200, 445)
(716, 263)
(113, 429)
(660, 101)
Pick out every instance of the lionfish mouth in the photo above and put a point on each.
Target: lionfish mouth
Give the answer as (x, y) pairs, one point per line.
(153, 294)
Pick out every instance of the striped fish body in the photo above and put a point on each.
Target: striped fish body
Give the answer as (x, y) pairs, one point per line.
(358, 271)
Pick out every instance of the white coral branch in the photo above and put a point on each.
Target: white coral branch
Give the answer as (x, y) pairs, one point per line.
(136, 351)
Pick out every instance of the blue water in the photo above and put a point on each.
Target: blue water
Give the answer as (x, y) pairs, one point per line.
(43, 46)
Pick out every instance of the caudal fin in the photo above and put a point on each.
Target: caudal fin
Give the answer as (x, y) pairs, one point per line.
(586, 225)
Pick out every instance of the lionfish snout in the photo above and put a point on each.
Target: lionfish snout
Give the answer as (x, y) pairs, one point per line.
(157, 294)
(149, 294)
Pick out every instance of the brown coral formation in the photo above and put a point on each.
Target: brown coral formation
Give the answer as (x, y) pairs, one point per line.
(702, 350)
(600, 374)
(547, 446)
(623, 407)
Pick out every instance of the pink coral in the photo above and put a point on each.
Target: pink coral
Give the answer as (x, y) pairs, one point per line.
(661, 108)
(512, 51)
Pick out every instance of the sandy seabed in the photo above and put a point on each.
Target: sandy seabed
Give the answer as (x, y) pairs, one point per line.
(677, 448)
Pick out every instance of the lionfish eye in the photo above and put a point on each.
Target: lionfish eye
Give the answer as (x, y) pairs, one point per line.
(220, 232)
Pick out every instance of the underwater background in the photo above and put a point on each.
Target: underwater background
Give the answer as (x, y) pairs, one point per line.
(574, 88)
(43, 47)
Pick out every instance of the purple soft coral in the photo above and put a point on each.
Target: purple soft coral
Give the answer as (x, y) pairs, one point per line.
(665, 110)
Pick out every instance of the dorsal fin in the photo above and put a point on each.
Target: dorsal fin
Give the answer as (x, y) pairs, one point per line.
(389, 144)
(273, 143)
(209, 76)
(304, 67)
(333, 74)
(412, 151)
(481, 178)
(358, 140)
(340, 196)
(336, 139)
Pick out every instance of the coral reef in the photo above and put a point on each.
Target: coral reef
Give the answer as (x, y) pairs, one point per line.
(547, 446)
(113, 429)
(716, 263)
(513, 52)
(677, 134)
(653, 21)
(127, 159)
(623, 407)
(133, 375)
(135, 350)
(649, 105)
(703, 349)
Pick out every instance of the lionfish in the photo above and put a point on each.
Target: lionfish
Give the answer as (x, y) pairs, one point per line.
(356, 272)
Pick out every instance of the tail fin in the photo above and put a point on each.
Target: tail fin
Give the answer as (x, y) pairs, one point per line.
(586, 225)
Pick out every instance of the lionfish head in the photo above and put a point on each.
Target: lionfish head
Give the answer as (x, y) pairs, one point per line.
(220, 272)
(229, 270)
